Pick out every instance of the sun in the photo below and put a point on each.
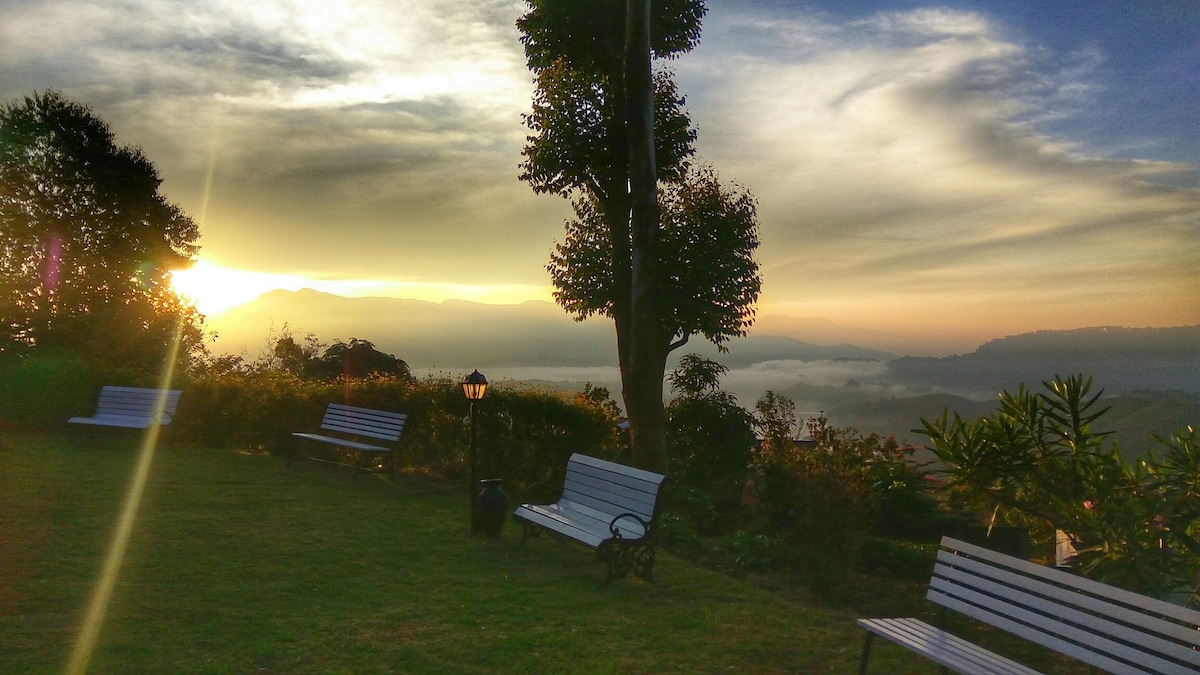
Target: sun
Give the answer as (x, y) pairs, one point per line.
(215, 289)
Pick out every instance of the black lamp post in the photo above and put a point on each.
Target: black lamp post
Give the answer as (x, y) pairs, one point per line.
(474, 387)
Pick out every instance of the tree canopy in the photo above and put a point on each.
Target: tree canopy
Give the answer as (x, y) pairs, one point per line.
(87, 242)
(707, 245)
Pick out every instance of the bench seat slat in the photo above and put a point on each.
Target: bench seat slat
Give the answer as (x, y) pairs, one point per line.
(944, 648)
(110, 420)
(557, 521)
(342, 442)
(579, 517)
(1021, 630)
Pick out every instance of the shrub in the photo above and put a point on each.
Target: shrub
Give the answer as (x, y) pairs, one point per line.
(1135, 526)
(822, 498)
(42, 388)
(710, 440)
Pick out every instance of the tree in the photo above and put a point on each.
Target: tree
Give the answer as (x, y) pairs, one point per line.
(313, 360)
(606, 130)
(87, 243)
(358, 359)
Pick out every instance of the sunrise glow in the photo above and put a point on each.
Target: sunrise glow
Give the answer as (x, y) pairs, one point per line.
(216, 289)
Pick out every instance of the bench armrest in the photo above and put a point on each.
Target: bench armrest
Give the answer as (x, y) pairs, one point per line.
(612, 525)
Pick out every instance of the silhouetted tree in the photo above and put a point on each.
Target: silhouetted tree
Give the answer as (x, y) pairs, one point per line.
(87, 243)
(606, 130)
(358, 359)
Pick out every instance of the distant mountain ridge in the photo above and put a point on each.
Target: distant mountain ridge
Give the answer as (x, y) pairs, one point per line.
(1119, 359)
(456, 332)
(1101, 340)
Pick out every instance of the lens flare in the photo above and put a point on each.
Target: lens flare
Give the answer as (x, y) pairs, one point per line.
(102, 593)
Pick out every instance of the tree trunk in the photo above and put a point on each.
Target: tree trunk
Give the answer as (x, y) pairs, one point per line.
(642, 369)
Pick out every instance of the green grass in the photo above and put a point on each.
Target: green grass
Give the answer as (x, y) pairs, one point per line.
(238, 564)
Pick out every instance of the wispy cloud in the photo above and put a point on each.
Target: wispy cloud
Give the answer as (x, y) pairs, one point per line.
(902, 167)
(924, 171)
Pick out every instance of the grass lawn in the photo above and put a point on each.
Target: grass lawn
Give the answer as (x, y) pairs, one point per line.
(238, 564)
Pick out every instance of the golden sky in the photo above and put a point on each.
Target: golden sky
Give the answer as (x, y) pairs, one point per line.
(948, 173)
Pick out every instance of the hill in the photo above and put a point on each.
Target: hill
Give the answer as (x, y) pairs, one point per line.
(456, 333)
(1119, 359)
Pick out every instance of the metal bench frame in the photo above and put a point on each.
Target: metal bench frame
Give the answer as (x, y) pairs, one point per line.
(132, 407)
(605, 506)
(1105, 627)
(352, 424)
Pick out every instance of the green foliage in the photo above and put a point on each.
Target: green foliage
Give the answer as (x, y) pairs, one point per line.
(1133, 525)
(43, 389)
(775, 415)
(87, 243)
(752, 551)
(710, 440)
(821, 499)
(524, 435)
(708, 238)
(898, 558)
(575, 51)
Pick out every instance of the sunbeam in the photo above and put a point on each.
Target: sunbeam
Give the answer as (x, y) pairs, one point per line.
(94, 621)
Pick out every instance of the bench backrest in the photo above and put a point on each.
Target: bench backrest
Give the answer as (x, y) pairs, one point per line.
(1104, 626)
(348, 419)
(137, 402)
(612, 488)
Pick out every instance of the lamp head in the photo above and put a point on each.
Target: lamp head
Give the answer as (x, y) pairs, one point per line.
(474, 386)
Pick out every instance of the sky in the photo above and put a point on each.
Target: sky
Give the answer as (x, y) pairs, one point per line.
(944, 172)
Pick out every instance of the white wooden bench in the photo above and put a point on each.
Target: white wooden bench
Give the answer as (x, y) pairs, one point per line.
(1105, 627)
(132, 407)
(605, 506)
(352, 424)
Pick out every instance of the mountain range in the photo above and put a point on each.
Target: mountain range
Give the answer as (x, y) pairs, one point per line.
(457, 332)
(1151, 375)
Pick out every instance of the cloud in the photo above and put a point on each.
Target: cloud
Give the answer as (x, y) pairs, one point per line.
(924, 170)
(358, 137)
(902, 168)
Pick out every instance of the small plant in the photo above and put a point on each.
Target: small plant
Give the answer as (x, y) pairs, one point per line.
(751, 551)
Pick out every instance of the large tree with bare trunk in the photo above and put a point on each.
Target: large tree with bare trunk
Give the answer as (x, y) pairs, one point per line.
(611, 133)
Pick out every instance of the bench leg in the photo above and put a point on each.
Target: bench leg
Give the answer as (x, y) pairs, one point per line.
(866, 654)
(528, 529)
(623, 556)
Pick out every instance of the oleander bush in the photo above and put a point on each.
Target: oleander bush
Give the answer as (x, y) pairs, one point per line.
(1043, 457)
